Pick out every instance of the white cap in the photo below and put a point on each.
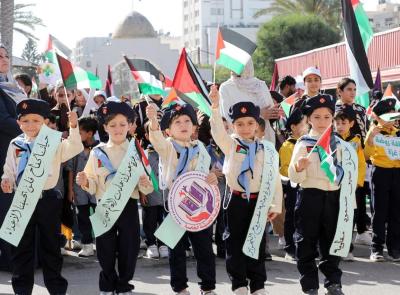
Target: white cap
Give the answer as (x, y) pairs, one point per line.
(310, 71)
(300, 83)
(100, 92)
(113, 98)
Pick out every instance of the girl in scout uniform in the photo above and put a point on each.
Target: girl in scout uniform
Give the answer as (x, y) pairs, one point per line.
(123, 239)
(179, 154)
(317, 206)
(243, 167)
(297, 126)
(345, 118)
(385, 185)
(32, 114)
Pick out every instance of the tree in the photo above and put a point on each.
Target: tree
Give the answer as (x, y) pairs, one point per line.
(288, 35)
(30, 52)
(328, 10)
(25, 20)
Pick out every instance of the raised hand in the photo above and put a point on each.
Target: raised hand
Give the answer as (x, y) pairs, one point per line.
(73, 119)
(214, 96)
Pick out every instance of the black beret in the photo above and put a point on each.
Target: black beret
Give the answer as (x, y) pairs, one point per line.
(177, 110)
(295, 118)
(384, 106)
(112, 107)
(316, 102)
(244, 109)
(346, 111)
(33, 106)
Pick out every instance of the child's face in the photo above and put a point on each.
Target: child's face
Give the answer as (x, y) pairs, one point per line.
(343, 126)
(85, 135)
(181, 128)
(260, 133)
(30, 124)
(299, 129)
(99, 100)
(80, 99)
(312, 83)
(320, 119)
(246, 127)
(118, 128)
(348, 94)
(60, 96)
(132, 129)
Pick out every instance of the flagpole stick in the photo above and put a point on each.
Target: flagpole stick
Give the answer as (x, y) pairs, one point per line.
(318, 141)
(66, 98)
(215, 67)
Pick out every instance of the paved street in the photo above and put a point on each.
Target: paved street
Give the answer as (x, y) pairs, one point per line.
(152, 276)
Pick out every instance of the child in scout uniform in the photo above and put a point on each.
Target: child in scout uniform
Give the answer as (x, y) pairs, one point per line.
(179, 154)
(345, 117)
(297, 127)
(243, 169)
(385, 185)
(121, 242)
(32, 114)
(84, 201)
(317, 205)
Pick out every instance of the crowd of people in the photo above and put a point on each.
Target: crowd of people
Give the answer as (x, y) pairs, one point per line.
(247, 125)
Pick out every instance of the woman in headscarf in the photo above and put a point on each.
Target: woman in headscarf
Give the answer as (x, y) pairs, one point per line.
(10, 95)
(246, 87)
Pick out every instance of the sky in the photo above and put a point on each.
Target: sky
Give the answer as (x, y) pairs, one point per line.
(72, 20)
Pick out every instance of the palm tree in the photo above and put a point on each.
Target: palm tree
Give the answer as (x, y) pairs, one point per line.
(25, 19)
(329, 10)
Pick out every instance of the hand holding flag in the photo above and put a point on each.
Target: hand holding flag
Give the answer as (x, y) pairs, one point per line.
(214, 96)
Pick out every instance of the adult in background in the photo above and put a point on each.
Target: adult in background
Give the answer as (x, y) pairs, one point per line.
(10, 95)
(287, 86)
(25, 82)
(246, 87)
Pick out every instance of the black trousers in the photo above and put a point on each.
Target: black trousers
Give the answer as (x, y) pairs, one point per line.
(219, 232)
(386, 203)
(152, 217)
(202, 247)
(84, 225)
(123, 238)
(290, 202)
(361, 216)
(240, 267)
(47, 218)
(316, 215)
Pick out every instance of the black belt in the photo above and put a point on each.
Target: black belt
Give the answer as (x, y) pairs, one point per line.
(243, 195)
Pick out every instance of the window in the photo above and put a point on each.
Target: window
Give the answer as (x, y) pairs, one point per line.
(216, 11)
(196, 13)
(197, 42)
(88, 63)
(196, 28)
(186, 17)
(185, 31)
(185, 3)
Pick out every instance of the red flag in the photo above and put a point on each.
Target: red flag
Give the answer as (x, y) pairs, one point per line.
(220, 44)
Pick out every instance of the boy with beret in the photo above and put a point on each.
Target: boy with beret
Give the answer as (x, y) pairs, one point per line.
(32, 115)
(179, 154)
(243, 167)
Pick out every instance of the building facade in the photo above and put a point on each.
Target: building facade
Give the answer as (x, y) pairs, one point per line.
(386, 16)
(201, 19)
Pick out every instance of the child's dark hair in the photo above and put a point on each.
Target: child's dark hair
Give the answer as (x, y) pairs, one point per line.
(344, 82)
(261, 123)
(88, 124)
(340, 115)
(287, 80)
(52, 118)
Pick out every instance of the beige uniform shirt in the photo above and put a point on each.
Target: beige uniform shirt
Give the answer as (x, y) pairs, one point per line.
(168, 155)
(312, 176)
(233, 162)
(97, 173)
(68, 149)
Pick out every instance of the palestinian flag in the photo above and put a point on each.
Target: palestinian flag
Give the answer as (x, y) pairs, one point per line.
(190, 86)
(326, 148)
(171, 99)
(233, 50)
(75, 77)
(146, 75)
(146, 166)
(358, 36)
(55, 46)
(109, 89)
(287, 104)
(34, 89)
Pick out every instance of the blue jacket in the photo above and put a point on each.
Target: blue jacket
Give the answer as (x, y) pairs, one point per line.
(9, 128)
